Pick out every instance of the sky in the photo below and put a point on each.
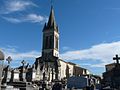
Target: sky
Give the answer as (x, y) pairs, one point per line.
(89, 30)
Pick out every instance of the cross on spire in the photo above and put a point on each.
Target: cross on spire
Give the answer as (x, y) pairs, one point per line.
(116, 58)
(51, 20)
(51, 1)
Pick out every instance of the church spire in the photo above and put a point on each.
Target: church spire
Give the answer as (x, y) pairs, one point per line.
(50, 37)
(51, 21)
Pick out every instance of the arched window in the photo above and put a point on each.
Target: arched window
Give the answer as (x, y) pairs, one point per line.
(51, 41)
(46, 42)
(56, 41)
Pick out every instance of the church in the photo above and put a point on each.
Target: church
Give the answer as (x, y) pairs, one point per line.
(49, 63)
(46, 68)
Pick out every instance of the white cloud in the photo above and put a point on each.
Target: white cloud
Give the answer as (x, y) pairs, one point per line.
(16, 5)
(10, 6)
(35, 18)
(32, 18)
(17, 56)
(12, 20)
(20, 55)
(102, 52)
(66, 48)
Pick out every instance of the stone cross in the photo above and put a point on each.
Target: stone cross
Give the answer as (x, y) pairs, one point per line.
(116, 58)
(9, 59)
(23, 62)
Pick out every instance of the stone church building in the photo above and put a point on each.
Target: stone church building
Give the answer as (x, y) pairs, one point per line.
(48, 67)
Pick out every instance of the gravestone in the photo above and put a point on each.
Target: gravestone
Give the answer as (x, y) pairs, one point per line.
(9, 88)
(23, 72)
(7, 71)
(7, 75)
(33, 73)
(15, 75)
(57, 86)
(77, 82)
(30, 86)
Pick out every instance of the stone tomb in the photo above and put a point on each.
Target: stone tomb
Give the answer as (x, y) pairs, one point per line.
(15, 75)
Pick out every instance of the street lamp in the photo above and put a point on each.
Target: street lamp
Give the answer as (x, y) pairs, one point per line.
(1, 66)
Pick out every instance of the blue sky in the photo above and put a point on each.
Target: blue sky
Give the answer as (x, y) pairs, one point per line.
(89, 30)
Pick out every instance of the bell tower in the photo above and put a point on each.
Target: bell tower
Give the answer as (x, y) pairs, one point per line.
(50, 38)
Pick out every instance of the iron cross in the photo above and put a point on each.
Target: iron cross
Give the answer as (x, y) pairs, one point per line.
(23, 62)
(116, 58)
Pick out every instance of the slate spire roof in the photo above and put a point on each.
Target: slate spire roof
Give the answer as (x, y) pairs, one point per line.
(51, 21)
